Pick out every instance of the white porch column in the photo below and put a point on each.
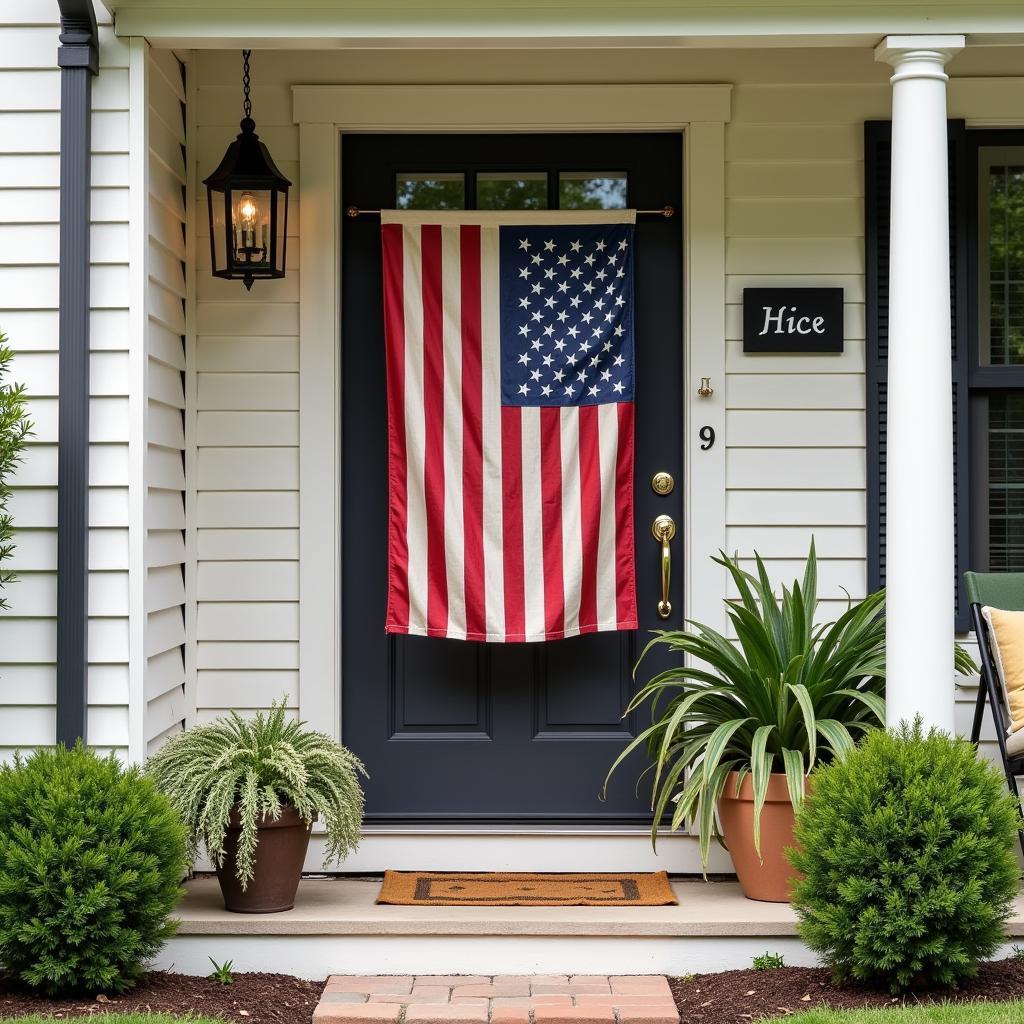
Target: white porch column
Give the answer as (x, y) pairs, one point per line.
(919, 569)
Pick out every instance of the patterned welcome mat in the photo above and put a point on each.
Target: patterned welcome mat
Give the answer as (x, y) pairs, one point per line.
(523, 889)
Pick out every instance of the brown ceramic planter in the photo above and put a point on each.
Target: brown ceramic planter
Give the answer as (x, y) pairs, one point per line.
(280, 852)
(767, 877)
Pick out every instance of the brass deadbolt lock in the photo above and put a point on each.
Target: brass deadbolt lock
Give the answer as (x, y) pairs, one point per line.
(662, 483)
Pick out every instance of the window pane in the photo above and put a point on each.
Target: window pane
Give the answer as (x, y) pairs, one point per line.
(430, 192)
(1002, 266)
(512, 191)
(1006, 482)
(589, 190)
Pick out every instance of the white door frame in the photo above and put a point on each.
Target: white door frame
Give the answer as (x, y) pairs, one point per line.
(323, 114)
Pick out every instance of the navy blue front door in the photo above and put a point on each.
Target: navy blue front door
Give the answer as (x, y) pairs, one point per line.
(501, 733)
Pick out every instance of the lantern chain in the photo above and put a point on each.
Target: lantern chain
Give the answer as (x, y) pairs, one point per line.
(247, 102)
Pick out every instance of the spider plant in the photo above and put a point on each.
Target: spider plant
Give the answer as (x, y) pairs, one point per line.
(783, 696)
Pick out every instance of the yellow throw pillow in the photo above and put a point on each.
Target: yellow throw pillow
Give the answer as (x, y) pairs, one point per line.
(1006, 631)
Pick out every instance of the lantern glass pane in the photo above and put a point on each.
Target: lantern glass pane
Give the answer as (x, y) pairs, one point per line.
(250, 228)
(281, 199)
(218, 227)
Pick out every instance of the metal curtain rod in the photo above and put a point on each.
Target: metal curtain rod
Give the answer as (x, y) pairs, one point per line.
(355, 211)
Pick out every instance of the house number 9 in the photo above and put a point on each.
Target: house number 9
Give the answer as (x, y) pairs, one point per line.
(707, 437)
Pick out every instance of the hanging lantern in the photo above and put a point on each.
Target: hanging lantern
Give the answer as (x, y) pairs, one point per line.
(247, 200)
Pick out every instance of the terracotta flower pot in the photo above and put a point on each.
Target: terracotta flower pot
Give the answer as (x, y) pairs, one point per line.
(769, 876)
(280, 852)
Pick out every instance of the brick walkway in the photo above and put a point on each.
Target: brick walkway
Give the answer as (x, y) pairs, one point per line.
(505, 999)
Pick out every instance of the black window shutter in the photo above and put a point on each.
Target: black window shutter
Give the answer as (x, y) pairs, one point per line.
(877, 167)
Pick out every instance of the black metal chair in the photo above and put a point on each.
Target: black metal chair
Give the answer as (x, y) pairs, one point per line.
(1006, 591)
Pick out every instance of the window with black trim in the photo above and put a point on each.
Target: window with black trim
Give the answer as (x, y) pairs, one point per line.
(995, 167)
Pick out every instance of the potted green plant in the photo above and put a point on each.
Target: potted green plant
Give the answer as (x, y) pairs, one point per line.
(738, 724)
(249, 791)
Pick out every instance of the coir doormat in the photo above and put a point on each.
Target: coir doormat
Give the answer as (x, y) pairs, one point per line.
(522, 889)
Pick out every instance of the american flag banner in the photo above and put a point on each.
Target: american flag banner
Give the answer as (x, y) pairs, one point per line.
(509, 351)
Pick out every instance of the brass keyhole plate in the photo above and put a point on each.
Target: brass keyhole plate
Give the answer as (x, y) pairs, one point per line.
(662, 483)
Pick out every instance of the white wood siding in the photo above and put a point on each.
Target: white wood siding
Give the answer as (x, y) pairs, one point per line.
(246, 429)
(166, 702)
(29, 202)
(795, 425)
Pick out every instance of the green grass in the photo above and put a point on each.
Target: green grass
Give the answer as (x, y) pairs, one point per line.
(952, 1013)
(117, 1018)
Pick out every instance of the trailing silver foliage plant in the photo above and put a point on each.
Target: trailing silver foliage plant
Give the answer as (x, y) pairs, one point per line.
(257, 767)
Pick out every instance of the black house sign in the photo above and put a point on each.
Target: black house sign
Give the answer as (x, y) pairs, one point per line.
(792, 319)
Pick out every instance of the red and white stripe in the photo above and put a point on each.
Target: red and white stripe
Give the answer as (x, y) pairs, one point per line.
(505, 523)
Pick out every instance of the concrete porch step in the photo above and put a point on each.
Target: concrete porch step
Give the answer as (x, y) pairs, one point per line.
(337, 928)
(346, 906)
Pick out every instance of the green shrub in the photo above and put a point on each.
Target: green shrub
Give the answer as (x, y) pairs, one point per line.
(15, 429)
(906, 848)
(91, 861)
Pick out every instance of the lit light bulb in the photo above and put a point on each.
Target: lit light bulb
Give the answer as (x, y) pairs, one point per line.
(248, 211)
(249, 230)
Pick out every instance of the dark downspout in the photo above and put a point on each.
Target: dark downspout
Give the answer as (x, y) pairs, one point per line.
(78, 60)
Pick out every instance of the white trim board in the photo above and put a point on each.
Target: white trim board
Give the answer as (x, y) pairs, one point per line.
(324, 114)
(319, 429)
(138, 271)
(492, 108)
(192, 192)
(316, 956)
(704, 356)
(505, 849)
(556, 850)
(692, 23)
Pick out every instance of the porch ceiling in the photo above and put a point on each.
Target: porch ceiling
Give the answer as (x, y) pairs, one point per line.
(690, 23)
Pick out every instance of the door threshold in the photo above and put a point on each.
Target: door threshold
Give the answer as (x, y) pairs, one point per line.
(504, 829)
(466, 849)
(509, 830)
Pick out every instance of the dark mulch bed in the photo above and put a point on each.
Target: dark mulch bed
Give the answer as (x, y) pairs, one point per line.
(738, 997)
(253, 998)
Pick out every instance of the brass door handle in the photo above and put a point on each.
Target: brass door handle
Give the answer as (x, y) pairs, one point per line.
(664, 529)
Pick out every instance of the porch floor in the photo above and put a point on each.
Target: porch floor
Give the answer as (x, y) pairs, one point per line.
(345, 906)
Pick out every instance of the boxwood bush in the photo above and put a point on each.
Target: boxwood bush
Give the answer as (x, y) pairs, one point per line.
(91, 863)
(906, 848)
